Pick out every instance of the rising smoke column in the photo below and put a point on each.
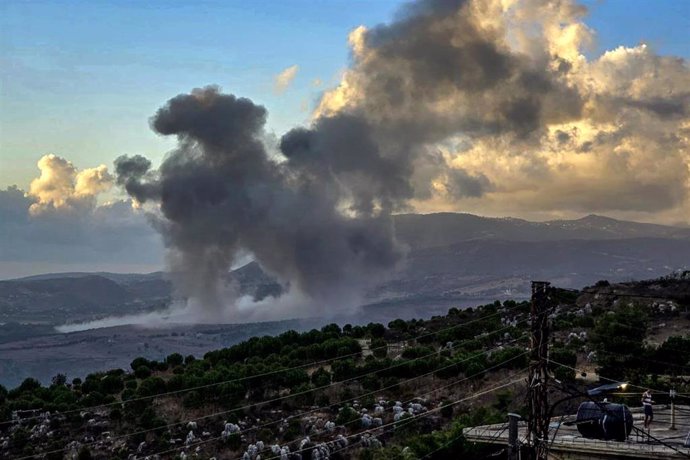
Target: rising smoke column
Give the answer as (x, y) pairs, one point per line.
(319, 219)
(468, 99)
(220, 193)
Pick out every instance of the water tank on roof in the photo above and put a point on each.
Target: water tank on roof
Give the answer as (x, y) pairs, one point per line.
(605, 421)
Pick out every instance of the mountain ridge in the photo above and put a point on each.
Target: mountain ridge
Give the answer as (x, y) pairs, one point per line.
(452, 257)
(418, 231)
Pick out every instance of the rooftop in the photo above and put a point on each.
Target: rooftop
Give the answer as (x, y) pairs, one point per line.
(566, 441)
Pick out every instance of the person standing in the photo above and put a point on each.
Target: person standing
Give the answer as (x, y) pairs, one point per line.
(647, 405)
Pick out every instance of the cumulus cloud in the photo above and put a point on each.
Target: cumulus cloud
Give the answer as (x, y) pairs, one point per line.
(61, 186)
(526, 123)
(283, 80)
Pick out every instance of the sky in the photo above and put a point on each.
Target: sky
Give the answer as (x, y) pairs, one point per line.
(81, 81)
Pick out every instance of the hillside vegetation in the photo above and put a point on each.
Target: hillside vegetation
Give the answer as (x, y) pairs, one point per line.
(372, 391)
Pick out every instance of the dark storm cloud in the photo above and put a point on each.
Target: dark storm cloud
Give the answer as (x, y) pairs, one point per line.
(320, 220)
(129, 172)
(218, 120)
(342, 151)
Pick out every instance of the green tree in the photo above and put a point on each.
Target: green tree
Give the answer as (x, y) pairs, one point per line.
(346, 416)
(151, 386)
(142, 372)
(673, 355)
(321, 377)
(618, 339)
(398, 325)
(84, 454)
(59, 380)
(175, 359)
(562, 356)
(137, 362)
(376, 329)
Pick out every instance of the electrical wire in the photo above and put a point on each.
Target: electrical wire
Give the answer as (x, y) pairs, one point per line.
(635, 428)
(272, 400)
(375, 392)
(265, 374)
(412, 418)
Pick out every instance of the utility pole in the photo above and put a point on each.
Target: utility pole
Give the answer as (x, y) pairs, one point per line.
(538, 403)
(513, 438)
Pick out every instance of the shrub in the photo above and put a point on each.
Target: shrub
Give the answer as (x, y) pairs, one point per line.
(346, 416)
(379, 348)
(321, 377)
(446, 409)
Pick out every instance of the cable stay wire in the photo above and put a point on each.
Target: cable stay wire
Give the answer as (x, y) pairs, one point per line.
(266, 374)
(578, 370)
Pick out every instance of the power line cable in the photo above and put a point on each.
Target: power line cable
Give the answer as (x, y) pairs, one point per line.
(412, 418)
(384, 389)
(265, 374)
(462, 380)
(275, 399)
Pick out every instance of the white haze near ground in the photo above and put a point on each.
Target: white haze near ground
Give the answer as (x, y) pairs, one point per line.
(290, 305)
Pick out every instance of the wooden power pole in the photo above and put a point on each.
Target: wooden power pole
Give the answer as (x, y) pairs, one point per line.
(538, 403)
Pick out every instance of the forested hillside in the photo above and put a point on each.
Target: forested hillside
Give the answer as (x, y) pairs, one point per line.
(404, 390)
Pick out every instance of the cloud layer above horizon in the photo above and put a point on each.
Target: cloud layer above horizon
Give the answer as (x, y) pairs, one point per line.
(60, 225)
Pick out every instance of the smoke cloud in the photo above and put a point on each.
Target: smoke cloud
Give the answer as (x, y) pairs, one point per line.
(503, 91)
(487, 106)
(220, 193)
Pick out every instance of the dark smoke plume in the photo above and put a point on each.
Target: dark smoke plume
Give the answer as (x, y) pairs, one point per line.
(319, 218)
(219, 193)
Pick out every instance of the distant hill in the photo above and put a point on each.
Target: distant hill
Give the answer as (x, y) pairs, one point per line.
(77, 296)
(452, 257)
(120, 278)
(57, 298)
(421, 231)
(502, 269)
